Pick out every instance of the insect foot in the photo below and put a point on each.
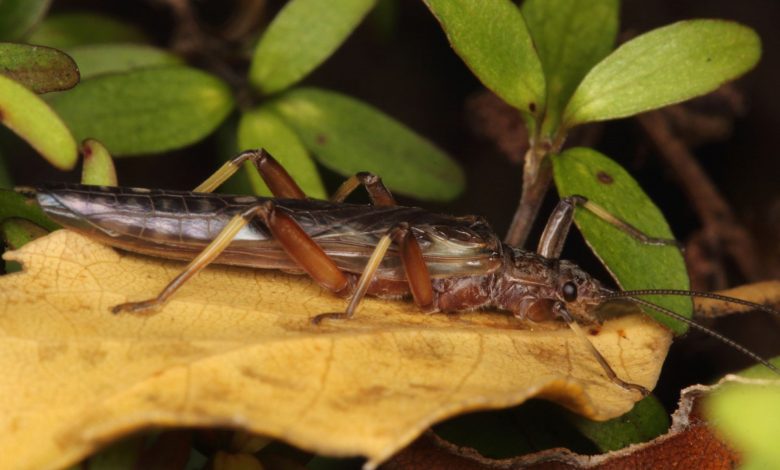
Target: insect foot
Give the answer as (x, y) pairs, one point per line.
(317, 319)
(144, 307)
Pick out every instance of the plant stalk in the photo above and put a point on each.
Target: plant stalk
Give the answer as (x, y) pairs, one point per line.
(537, 176)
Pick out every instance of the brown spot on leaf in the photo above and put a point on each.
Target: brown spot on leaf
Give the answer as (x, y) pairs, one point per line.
(594, 330)
(622, 333)
(322, 139)
(604, 177)
(86, 149)
(532, 107)
(49, 352)
(92, 355)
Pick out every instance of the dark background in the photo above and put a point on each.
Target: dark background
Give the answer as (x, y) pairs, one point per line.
(409, 71)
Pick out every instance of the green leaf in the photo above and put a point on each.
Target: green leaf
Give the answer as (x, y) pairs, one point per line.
(17, 233)
(145, 110)
(18, 16)
(76, 29)
(301, 37)
(748, 417)
(349, 136)
(98, 166)
(41, 69)
(662, 67)
(262, 128)
(98, 59)
(634, 265)
(503, 434)
(30, 118)
(14, 205)
(492, 39)
(646, 421)
(571, 36)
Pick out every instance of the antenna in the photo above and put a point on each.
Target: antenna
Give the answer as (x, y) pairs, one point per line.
(627, 295)
(690, 293)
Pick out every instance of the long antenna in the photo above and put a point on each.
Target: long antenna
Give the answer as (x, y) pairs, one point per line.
(693, 324)
(690, 293)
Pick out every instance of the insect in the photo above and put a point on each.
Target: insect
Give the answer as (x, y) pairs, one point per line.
(446, 263)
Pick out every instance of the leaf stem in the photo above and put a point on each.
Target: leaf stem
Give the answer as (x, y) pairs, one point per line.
(537, 175)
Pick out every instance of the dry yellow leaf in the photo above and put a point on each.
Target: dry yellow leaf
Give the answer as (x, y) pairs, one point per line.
(235, 348)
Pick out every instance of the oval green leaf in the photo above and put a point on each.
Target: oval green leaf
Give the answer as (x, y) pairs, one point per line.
(301, 37)
(349, 136)
(492, 39)
(571, 36)
(18, 16)
(748, 417)
(145, 110)
(98, 168)
(662, 67)
(98, 59)
(262, 128)
(76, 29)
(33, 120)
(646, 421)
(41, 69)
(634, 265)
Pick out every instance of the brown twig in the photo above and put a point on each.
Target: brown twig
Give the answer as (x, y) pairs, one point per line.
(216, 53)
(537, 176)
(722, 230)
(490, 118)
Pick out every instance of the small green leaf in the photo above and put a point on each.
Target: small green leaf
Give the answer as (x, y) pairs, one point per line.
(748, 417)
(98, 168)
(98, 59)
(30, 118)
(18, 16)
(634, 265)
(646, 421)
(41, 69)
(571, 36)
(662, 67)
(492, 39)
(301, 37)
(145, 110)
(14, 205)
(261, 128)
(67, 30)
(17, 233)
(349, 136)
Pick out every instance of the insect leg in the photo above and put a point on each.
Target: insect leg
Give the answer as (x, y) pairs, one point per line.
(414, 267)
(295, 242)
(281, 184)
(379, 194)
(559, 223)
(564, 314)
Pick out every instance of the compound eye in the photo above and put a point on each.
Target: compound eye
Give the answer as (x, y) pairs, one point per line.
(569, 291)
